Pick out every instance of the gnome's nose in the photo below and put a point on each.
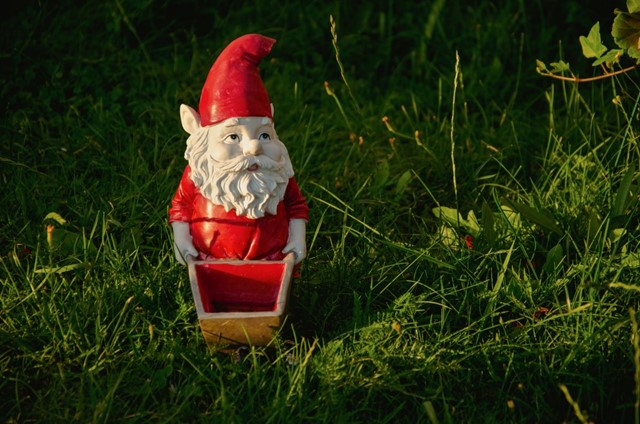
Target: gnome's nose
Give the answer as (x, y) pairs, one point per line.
(252, 147)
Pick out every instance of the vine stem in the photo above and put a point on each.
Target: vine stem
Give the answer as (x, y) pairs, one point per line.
(590, 79)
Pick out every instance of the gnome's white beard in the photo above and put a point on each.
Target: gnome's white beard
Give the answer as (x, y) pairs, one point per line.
(231, 185)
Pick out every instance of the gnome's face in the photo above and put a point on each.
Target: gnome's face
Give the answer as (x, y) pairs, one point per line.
(238, 163)
(250, 137)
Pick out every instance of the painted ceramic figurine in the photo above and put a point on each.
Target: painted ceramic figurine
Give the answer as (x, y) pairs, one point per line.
(237, 198)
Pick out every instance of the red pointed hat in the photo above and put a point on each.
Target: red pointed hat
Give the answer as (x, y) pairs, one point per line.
(233, 87)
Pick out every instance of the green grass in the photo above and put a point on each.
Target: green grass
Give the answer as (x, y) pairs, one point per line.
(394, 318)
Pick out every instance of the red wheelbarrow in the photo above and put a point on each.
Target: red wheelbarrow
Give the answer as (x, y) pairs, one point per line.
(240, 302)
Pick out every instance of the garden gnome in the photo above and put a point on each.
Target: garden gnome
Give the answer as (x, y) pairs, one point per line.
(237, 198)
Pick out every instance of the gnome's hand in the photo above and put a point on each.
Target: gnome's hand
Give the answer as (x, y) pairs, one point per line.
(296, 243)
(182, 244)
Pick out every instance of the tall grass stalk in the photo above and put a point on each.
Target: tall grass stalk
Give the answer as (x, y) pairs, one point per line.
(343, 75)
(576, 407)
(456, 77)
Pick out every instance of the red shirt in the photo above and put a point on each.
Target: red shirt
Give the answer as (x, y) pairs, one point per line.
(225, 235)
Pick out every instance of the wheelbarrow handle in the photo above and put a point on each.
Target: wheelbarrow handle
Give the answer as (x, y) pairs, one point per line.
(290, 257)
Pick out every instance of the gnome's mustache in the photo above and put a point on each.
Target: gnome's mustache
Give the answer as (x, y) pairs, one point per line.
(243, 163)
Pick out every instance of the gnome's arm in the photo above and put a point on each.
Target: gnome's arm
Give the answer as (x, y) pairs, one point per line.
(182, 244)
(298, 212)
(297, 243)
(179, 217)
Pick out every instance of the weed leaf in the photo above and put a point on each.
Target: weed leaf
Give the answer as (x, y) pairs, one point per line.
(592, 44)
(488, 224)
(381, 175)
(554, 258)
(626, 32)
(501, 276)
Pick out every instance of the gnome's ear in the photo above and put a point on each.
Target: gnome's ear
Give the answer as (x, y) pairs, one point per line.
(272, 110)
(190, 119)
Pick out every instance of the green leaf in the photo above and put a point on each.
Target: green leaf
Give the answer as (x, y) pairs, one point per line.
(559, 67)
(631, 260)
(594, 225)
(620, 202)
(555, 256)
(633, 6)
(616, 234)
(403, 182)
(541, 66)
(64, 241)
(60, 269)
(55, 217)
(610, 57)
(453, 218)
(449, 237)
(540, 217)
(488, 224)
(472, 224)
(626, 32)
(501, 276)
(381, 175)
(449, 215)
(512, 216)
(160, 378)
(592, 44)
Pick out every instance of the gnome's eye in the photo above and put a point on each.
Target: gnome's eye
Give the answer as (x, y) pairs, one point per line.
(264, 136)
(231, 139)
